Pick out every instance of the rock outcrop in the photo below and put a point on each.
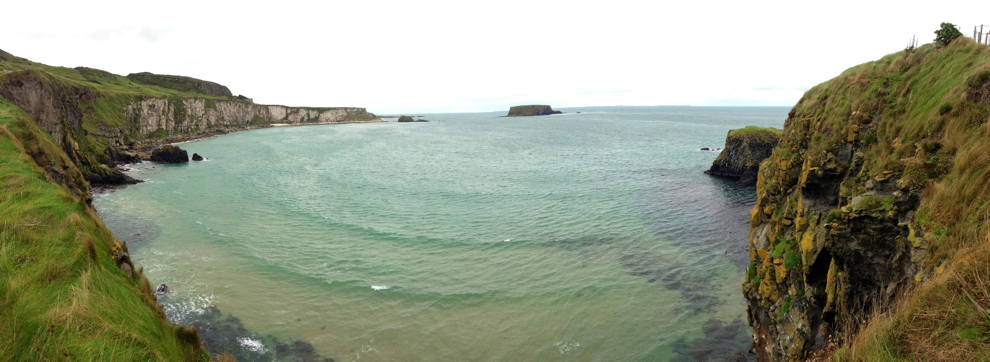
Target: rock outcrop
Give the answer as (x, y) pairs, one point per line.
(197, 157)
(744, 149)
(169, 154)
(531, 110)
(406, 119)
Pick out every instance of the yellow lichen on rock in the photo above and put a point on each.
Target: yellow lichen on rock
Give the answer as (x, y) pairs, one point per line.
(808, 241)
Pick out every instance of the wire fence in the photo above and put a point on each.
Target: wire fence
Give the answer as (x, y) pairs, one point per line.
(980, 36)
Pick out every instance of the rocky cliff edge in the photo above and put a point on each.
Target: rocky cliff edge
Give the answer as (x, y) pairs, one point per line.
(872, 214)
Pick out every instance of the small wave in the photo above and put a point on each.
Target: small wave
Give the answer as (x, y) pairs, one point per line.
(507, 240)
(252, 345)
(380, 287)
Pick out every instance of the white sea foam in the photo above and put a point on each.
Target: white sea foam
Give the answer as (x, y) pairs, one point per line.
(566, 346)
(379, 287)
(252, 345)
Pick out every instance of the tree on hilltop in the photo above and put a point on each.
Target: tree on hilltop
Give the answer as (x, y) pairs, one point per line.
(946, 34)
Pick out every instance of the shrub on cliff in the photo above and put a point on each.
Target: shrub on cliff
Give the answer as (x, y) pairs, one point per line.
(946, 34)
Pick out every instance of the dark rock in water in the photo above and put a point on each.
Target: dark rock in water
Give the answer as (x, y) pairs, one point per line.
(281, 350)
(104, 175)
(703, 149)
(421, 120)
(162, 289)
(406, 119)
(744, 150)
(170, 154)
(303, 347)
(197, 157)
(531, 110)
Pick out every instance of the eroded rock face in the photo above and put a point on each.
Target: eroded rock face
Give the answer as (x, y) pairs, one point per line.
(532, 110)
(170, 154)
(744, 150)
(828, 240)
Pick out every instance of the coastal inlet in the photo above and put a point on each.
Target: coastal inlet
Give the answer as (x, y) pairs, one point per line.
(591, 236)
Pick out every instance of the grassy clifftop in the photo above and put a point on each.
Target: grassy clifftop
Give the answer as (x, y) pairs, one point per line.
(62, 294)
(872, 223)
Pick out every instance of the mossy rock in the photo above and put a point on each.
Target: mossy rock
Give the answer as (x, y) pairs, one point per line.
(744, 149)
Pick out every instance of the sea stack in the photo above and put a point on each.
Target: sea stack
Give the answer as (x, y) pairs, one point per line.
(406, 119)
(744, 149)
(531, 110)
(170, 154)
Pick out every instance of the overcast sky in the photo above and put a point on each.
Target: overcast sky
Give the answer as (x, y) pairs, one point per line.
(436, 56)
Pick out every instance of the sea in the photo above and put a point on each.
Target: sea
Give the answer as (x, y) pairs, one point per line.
(591, 235)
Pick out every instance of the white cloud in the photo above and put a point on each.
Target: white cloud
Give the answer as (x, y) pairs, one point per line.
(400, 56)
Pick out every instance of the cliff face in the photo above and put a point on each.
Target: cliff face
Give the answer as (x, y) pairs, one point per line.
(101, 119)
(877, 187)
(744, 150)
(161, 117)
(534, 110)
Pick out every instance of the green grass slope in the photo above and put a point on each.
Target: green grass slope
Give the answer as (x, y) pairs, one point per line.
(62, 296)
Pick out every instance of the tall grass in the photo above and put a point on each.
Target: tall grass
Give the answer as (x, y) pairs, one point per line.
(62, 296)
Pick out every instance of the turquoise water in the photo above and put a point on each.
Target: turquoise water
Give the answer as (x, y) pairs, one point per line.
(585, 237)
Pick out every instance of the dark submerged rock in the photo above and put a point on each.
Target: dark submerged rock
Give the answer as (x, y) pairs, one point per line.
(197, 157)
(170, 154)
(744, 150)
(225, 333)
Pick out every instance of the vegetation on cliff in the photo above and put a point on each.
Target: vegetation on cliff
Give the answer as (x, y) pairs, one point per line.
(68, 291)
(874, 207)
(744, 149)
(184, 84)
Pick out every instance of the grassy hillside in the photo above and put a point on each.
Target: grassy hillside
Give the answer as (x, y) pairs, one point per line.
(917, 120)
(62, 294)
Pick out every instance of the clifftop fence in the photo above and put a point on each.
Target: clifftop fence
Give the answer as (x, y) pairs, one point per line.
(980, 36)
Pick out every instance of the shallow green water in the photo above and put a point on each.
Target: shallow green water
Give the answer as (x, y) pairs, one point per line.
(587, 237)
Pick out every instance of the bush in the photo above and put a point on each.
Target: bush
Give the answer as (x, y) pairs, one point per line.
(946, 34)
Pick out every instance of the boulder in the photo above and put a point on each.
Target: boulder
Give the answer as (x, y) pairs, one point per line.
(170, 154)
(744, 149)
(197, 157)
(531, 110)
(406, 119)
